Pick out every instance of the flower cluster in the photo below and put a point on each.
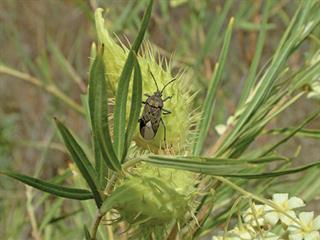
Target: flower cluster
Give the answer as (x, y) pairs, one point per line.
(277, 220)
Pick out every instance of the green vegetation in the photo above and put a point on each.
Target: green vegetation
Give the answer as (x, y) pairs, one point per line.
(226, 151)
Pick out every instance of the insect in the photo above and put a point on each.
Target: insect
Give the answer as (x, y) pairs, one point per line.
(151, 116)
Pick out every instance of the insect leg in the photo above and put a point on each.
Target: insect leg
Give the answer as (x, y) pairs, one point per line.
(146, 94)
(144, 102)
(165, 111)
(167, 98)
(165, 131)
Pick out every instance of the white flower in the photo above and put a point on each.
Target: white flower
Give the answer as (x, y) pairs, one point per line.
(244, 232)
(220, 128)
(247, 232)
(255, 215)
(217, 238)
(272, 215)
(308, 229)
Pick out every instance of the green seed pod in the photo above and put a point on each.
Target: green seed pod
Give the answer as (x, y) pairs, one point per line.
(147, 200)
(179, 121)
(151, 197)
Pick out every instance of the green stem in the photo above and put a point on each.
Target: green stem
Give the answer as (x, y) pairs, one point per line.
(35, 231)
(259, 199)
(50, 88)
(111, 183)
(107, 191)
(96, 225)
(235, 204)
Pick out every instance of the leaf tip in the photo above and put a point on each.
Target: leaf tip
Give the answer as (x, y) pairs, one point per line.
(231, 22)
(101, 50)
(57, 121)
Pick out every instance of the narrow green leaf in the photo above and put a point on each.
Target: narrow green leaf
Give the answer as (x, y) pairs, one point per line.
(277, 173)
(189, 163)
(65, 216)
(135, 106)
(143, 28)
(248, 134)
(100, 165)
(58, 179)
(98, 105)
(81, 160)
(65, 192)
(208, 108)
(305, 132)
(251, 26)
(292, 133)
(123, 86)
(213, 33)
(121, 105)
(119, 22)
(249, 83)
(218, 161)
(225, 171)
(289, 42)
(306, 185)
(262, 121)
(311, 191)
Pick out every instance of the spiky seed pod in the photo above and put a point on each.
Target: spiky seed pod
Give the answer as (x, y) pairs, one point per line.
(148, 196)
(179, 121)
(148, 201)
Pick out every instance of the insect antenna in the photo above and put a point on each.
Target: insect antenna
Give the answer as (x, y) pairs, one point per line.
(154, 80)
(168, 84)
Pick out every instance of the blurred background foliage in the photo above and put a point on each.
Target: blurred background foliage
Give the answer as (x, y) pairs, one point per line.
(44, 56)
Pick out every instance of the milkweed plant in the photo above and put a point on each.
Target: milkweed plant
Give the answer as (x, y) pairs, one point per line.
(179, 188)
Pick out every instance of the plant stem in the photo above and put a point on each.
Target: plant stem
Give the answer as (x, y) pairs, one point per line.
(108, 190)
(96, 225)
(252, 196)
(173, 233)
(234, 205)
(35, 231)
(110, 232)
(111, 183)
(50, 88)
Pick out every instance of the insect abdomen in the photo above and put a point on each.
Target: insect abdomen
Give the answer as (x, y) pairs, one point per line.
(149, 122)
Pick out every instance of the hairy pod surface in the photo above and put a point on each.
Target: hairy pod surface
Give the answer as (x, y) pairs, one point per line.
(148, 195)
(178, 123)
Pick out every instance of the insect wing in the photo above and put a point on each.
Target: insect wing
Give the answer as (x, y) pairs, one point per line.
(146, 129)
(155, 118)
